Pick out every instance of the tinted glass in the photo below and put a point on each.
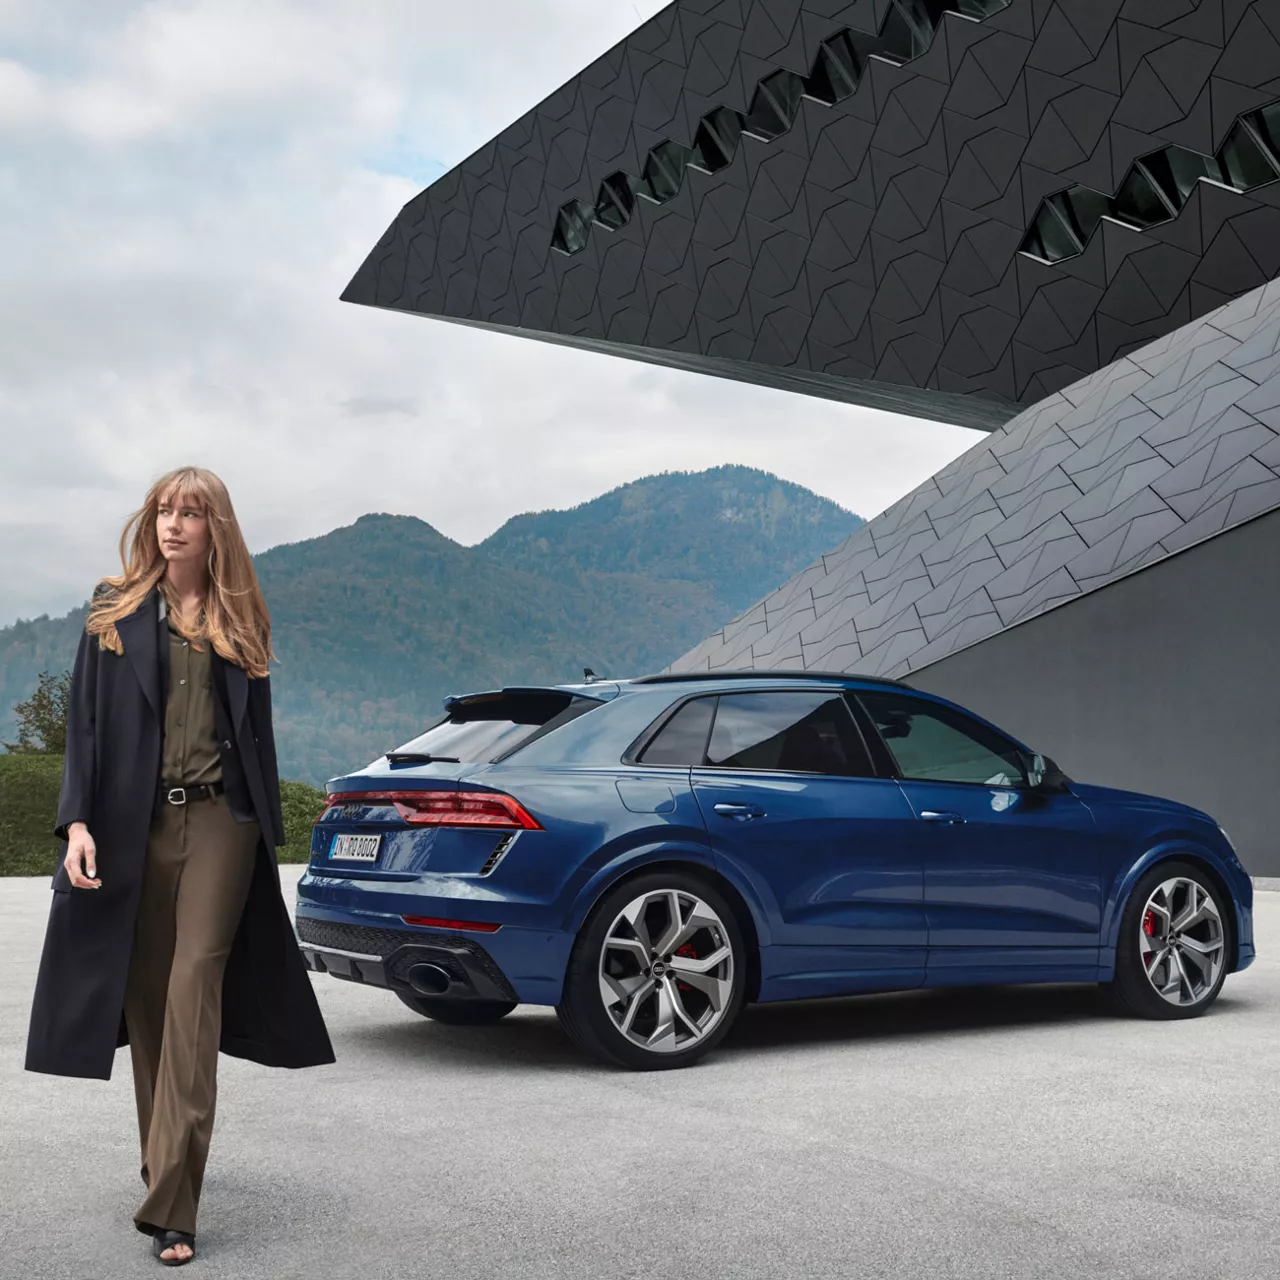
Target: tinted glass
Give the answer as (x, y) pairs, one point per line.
(935, 744)
(799, 732)
(683, 739)
(486, 729)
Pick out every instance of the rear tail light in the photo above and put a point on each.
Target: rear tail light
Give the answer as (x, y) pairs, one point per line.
(448, 808)
(439, 922)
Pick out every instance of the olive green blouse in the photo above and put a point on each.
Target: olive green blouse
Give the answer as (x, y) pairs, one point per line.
(189, 755)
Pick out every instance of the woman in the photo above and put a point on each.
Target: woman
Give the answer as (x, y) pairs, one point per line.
(167, 930)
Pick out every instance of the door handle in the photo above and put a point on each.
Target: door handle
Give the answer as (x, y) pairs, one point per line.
(946, 818)
(739, 812)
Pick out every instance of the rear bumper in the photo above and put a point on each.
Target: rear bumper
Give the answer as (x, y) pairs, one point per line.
(444, 966)
(523, 956)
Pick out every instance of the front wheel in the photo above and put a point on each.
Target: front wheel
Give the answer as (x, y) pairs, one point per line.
(657, 973)
(458, 1013)
(1171, 956)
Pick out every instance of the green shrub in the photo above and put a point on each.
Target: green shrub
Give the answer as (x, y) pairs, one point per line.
(29, 786)
(300, 804)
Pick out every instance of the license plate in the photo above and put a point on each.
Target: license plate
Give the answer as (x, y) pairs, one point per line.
(355, 848)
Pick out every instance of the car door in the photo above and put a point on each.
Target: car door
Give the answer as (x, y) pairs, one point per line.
(793, 807)
(1011, 873)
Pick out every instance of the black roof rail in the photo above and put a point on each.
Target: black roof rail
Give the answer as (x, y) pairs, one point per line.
(663, 677)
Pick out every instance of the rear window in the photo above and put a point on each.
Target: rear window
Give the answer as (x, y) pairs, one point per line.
(489, 727)
(683, 739)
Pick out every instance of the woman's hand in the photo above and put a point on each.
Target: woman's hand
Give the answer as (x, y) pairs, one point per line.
(81, 861)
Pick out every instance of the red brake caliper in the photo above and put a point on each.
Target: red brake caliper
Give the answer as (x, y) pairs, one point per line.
(1149, 928)
(689, 953)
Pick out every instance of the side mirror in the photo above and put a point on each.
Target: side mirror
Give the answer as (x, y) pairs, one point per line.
(1045, 776)
(896, 725)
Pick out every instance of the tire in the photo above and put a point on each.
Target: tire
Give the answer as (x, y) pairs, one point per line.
(1191, 973)
(457, 1013)
(673, 1020)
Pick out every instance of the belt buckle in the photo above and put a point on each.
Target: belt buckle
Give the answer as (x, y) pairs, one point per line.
(180, 792)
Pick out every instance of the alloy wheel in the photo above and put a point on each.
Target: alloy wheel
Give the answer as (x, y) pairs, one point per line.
(666, 970)
(1181, 941)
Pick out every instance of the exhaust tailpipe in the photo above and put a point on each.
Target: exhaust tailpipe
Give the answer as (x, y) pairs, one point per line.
(428, 979)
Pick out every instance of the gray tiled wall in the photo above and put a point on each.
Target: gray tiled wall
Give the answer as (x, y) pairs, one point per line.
(1164, 448)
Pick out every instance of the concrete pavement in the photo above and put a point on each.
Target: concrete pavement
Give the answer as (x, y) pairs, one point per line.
(1016, 1132)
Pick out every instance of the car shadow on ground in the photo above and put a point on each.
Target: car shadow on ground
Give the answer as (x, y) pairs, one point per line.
(532, 1038)
(915, 1015)
(919, 1015)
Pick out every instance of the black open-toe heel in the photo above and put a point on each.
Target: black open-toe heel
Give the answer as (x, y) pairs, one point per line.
(163, 1240)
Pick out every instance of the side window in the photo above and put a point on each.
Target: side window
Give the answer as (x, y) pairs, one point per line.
(802, 732)
(932, 743)
(683, 739)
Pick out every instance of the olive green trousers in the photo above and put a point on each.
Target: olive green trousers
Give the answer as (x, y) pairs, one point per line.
(199, 863)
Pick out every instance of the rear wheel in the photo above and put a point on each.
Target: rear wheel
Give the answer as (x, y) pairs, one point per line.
(1171, 957)
(657, 974)
(458, 1013)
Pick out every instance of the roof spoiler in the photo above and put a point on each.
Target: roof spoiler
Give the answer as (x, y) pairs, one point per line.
(456, 701)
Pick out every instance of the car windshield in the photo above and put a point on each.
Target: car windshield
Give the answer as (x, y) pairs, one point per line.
(489, 727)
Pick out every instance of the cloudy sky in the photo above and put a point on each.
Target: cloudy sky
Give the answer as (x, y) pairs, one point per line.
(185, 188)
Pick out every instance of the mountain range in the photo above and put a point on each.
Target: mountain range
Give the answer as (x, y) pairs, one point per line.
(375, 622)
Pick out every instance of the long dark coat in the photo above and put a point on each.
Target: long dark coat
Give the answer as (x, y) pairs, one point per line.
(111, 776)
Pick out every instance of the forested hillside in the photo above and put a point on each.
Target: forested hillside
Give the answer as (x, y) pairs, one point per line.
(375, 622)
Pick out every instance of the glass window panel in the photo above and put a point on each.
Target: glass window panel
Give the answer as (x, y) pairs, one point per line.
(485, 730)
(1084, 208)
(716, 142)
(1242, 160)
(616, 200)
(572, 227)
(1267, 123)
(801, 732)
(774, 105)
(1138, 203)
(931, 743)
(835, 74)
(1177, 170)
(1051, 240)
(664, 171)
(683, 739)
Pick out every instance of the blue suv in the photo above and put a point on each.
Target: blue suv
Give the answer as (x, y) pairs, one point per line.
(648, 855)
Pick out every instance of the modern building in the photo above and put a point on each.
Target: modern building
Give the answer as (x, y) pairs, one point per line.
(1054, 220)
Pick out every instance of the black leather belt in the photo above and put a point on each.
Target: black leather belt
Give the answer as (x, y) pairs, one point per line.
(185, 795)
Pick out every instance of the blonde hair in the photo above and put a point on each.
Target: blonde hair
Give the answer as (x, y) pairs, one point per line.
(234, 620)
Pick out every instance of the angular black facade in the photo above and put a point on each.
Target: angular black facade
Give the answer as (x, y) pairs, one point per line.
(951, 208)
